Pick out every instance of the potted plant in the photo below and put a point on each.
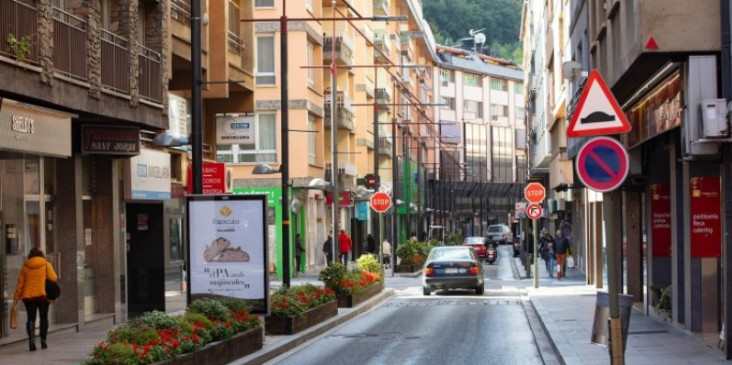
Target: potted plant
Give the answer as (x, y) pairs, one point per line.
(297, 308)
(357, 285)
(221, 329)
(412, 255)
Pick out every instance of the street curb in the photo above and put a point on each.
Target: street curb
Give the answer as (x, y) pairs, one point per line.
(281, 347)
(544, 344)
(415, 274)
(565, 353)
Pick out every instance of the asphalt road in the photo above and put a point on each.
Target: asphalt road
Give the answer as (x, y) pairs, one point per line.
(444, 328)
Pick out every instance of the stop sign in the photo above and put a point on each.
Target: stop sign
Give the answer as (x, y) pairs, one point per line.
(534, 193)
(380, 202)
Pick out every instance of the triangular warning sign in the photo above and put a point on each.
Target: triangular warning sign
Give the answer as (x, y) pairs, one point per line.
(597, 112)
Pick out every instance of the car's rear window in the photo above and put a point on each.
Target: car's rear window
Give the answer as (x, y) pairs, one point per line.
(452, 254)
(474, 240)
(495, 229)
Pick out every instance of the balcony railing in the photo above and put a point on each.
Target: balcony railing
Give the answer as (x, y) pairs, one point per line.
(151, 78)
(115, 62)
(381, 41)
(384, 147)
(344, 111)
(343, 48)
(69, 45)
(180, 11)
(20, 20)
(381, 7)
(383, 98)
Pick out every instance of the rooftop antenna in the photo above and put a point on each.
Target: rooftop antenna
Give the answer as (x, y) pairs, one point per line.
(478, 38)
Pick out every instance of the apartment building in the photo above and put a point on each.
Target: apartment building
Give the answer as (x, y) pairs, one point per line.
(482, 123)
(83, 88)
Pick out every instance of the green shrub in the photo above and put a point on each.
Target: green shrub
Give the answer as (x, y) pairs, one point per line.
(234, 304)
(369, 262)
(212, 309)
(663, 298)
(158, 320)
(332, 275)
(134, 332)
(113, 354)
(413, 252)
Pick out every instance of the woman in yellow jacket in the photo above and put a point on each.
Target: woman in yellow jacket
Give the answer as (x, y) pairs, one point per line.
(31, 289)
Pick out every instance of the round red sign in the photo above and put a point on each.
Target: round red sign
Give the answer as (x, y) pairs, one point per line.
(380, 202)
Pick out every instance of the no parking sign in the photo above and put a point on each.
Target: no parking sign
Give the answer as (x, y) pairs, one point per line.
(603, 164)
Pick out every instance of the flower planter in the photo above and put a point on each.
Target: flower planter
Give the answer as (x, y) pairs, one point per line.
(408, 268)
(311, 317)
(222, 352)
(352, 300)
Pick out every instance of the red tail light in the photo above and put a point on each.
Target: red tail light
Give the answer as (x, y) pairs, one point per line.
(474, 270)
(429, 271)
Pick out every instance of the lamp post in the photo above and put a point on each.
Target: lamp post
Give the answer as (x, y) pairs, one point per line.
(196, 107)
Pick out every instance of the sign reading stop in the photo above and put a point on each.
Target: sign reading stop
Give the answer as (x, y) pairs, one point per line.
(380, 202)
(534, 193)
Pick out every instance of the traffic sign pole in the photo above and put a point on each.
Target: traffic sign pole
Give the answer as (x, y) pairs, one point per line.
(536, 257)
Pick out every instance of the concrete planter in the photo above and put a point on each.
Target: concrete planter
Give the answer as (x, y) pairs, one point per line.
(223, 352)
(352, 300)
(311, 317)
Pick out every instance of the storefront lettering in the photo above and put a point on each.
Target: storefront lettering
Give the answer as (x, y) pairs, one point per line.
(23, 124)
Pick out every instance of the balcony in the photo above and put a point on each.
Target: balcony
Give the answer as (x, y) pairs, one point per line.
(406, 46)
(383, 43)
(70, 45)
(20, 20)
(180, 11)
(384, 147)
(381, 7)
(115, 62)
(383, 98)
(151, 78)
(344, 112)
(234, 41)
(343, 49)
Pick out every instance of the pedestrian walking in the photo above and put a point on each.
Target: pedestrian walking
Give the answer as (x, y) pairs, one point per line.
(561, 247)
(547, 240)
(299, 251)
(551, 258)
(328, 249)
(369, 245)
(344, 246)
(386, 252)
(31, 289)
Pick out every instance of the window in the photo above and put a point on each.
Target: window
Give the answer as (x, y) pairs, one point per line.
(311, 62)
(266, 60)
(264, 3)
(499, 84)
(446, 76)
(448, 103)
(471, 79)
(521, 139)
(263, 149)
(520, 113)
(474, 107)
(312, 156)
(499, 111)
(518, 88)
(502, 156)
(521, 171)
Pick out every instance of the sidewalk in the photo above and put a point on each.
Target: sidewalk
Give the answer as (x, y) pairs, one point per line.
(566, 310)
(68, 347)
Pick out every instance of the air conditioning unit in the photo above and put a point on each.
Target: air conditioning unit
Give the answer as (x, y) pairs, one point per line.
(714, 118)
(561, 204)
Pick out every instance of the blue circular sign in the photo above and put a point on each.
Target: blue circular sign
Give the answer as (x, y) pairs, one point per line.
(603, 164)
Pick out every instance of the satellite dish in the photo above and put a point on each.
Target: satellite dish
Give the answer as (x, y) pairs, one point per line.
(568, 69)
(479, 38)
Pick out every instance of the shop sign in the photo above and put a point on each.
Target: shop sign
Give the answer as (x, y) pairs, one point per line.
(149, 176)
(27, 128)
(344, 199)
(706, 223)
(659, 111)
(213, 178)
(661, 220)
(228, 248)
(110, 140)
(235, 129)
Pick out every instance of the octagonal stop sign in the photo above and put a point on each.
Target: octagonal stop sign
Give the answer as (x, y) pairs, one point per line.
(534, 193)
(380, 202)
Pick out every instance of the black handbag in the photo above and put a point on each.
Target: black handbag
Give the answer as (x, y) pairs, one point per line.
(52, 289)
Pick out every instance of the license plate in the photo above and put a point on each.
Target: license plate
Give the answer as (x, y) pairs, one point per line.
(451, 270)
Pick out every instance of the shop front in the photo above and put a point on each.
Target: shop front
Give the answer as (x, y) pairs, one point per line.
(32, 140)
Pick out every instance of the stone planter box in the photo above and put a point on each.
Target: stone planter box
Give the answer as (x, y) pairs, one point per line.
(223, 352)
(408, 268)
(352, 300)
(311, 317)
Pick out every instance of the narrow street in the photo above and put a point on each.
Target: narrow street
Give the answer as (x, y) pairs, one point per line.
(446, 327)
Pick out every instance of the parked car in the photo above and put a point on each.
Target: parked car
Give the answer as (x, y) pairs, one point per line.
(500, 233)
(452, 267)
(476, 243)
